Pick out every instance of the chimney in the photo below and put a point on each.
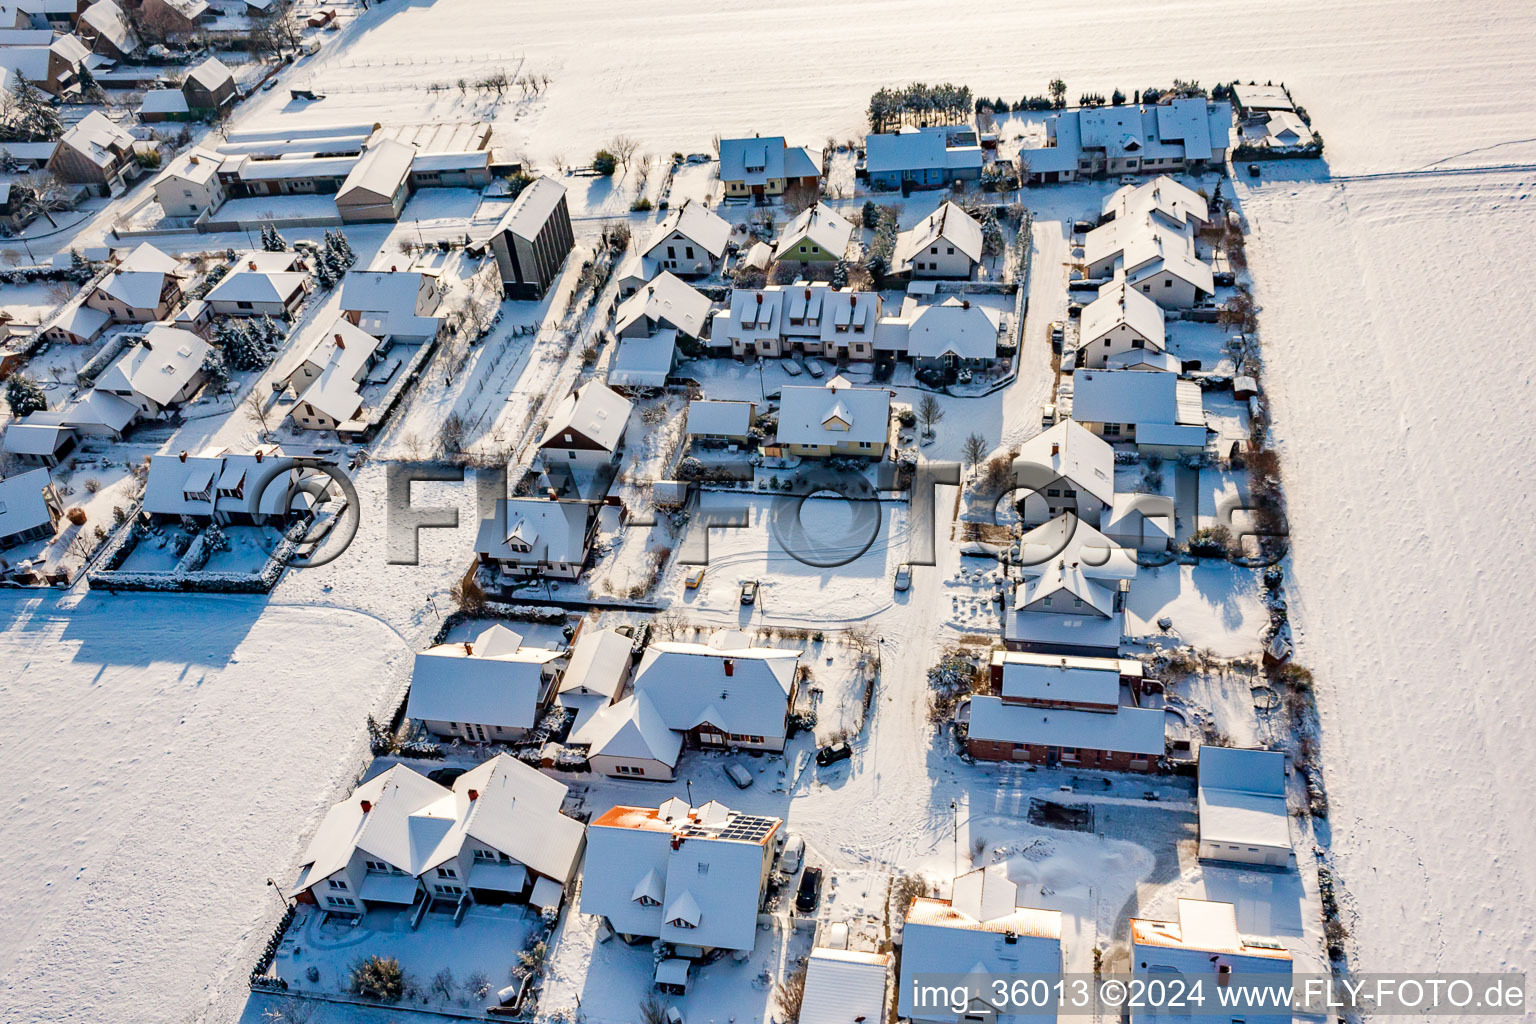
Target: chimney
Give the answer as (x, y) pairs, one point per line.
(182, 456)
(551, 493)
(730, 666)
(147, 346)
(965, 303)
(474, 794)
(759, 298)
(853, 301)
(192, 159)
(807, 293)
(677, 842)
(367, 806)
(392, 268)
(339, 342)
(469, 648)
(1055, 449)
(251, 264)
(260, 454)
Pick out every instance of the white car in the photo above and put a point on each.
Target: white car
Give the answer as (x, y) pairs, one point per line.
(792, 368)
(903, 576)
(794, 853)
(814, 368)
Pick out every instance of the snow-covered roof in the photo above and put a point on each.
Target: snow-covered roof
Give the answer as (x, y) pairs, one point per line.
(381, 171)
(1203, 925)
(393, 302)
(691, 876)
(532, 208)
(81, 320)
(95, 409)
(1071, 452)
(516, 811)
(218, 481)
(1067, 539)
(341, 355)
(833, 414)
(27, 438)
(1262, 97)
(162, 363)
(212, 74)
(843, 986)
(665, 301)
(644, 362)
(1286, 128)
(630, 728)
(725, 683)
(595, 410)
(949, 224)
(70, 49)
(726, 419)
(756, 314)
(703, 227)
(1129, 396)
(1242, 797)
(96, 137)
(1161, 195)
(1056, 679)
(553, 531)
(107, 20)
(1127, 730)
(955, 327)
(1144, 359)
(758, 160)
(1117, 305)
(463, 682)
(820, 224)
(244, 284)
(26, 62)
(917, 151)
(598, 664)
(163, 101)
(635, 269)
(22, 504)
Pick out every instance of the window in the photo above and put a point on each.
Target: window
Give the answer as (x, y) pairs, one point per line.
(1111, 430)
(951, 250)
(485, 855)
(934, 250)
(803, 249)
(336, 883)
(449, 890)
(376, 865)
(703, 869)
(1146, 287)
(1135, 343)
(688, 252)
(341, 901)
(243, 305)
(624, 769)
(1167, 283)
(1053, 492)
(671, 252)
(447, 873)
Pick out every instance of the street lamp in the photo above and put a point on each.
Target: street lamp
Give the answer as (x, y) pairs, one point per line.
(277, 889)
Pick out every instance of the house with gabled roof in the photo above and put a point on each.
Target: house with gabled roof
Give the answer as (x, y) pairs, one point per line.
(834, 419)
(328, 381)
(1066, 468)
(497, 836)
(189, 186)
(599, 669)
(693, 877)
(105, 28)
(712, 420)
(252, 290)
(530, 537)
(690, 241)
(979, 933)
(633, 273)
(145, 286)
(210, 87)
(1203, 947)
(1069, 568)
(224, 485)
(1153, 256)
(491, 689)
(629, 739)
(724, 693)
(818, 234)
(1169, 200)
(402, 304)
(95, 151)
(955, 332)
(667, 301)
(945, 244)
(29, 507)
(845, 986)
(378, 185)
(761, 168)
(586, 429)
(1121, 320)
(1241, 800)
(533, 239)
(161, 370)
(1158, 412)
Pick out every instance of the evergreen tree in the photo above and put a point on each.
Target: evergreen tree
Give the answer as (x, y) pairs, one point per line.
(214, 370)
(24, 395)
(241, 351)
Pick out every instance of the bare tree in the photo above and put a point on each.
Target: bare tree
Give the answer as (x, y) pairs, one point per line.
(789, 994)
(930, 411)
(258, 409)
(623, 147)
(975, 450)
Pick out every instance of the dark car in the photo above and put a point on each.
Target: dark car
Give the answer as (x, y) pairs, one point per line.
(809, 892)
(1253, 170)
(833, 752)
(446, 776)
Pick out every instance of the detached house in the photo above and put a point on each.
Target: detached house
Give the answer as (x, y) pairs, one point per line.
(1120, 321)
(690, 241)
(256, 288)
(533, 240)
(955, 332)
(210, 88)
(224, 486)
(190, 185)
(724, 693)
(692, 877)
(95, 152)
(1071, 600)
(537, 537)
(838, 419)
(328, 382)
(29, 507)
(1151, 255)
(1156, 411)
(761, 168)
(1064, 469)
(666, 302)
(819, 234)
(145, 286)
(599, 669)
(1243, 816)
(1203, 946)
(496, 837)
(160, 371)
(945, 244)
(104, 27)
(401, 304)
(586, 430)
(488, 690)
(982, 931)
(922, 158)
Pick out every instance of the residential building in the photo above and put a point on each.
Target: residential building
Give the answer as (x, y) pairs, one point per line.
(51, 64)
(724, 693)
(818, 234)
(1059, 681)
(600, 666)
(77, 323)
(95, 152)
(952, 333)
(39, 444)
(174, 19)
(378, 185)
(1186, 134)
(1286, 130)
(586, 430)
(105, 29)
(692, 877)
(945, 244)
(845, 985)
(488, 690)
(401, 304)
(835, 419)
(981, 931)
(1072, 597)
(1163, 197)
(761, 168)
(29, 507)
(497, 836)
(1153, 256)
(629, 739)
(721, 422)
(253, 290)
(1066, 468)
(1243, 815)
(923, 158)
(1203, 948)
(643, 362)
(328, 381)
(210, 88)
(809, 317)
(226, 486)
(537, 537)
(1140, 521)
(1157, 412)
(690, 241)
(533, 240)
(1120, 321)
(1127, 739)
(666, 302)
(94, 414)
(144, 287)
(633, 273)
(1255, 102)
(159, 371)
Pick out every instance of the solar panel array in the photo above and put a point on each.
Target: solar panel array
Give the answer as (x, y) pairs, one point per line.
(747, 828)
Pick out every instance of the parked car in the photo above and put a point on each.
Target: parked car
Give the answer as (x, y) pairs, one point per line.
(809, 893)
(903, 576)
(1253, 170)
(749, 592)
(791, 367)
(1047, 415)
(833, 753)
(1128, 179)
(794, 853)
(446, 776)
(814, 368)
(694, 578)
(739, 775)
